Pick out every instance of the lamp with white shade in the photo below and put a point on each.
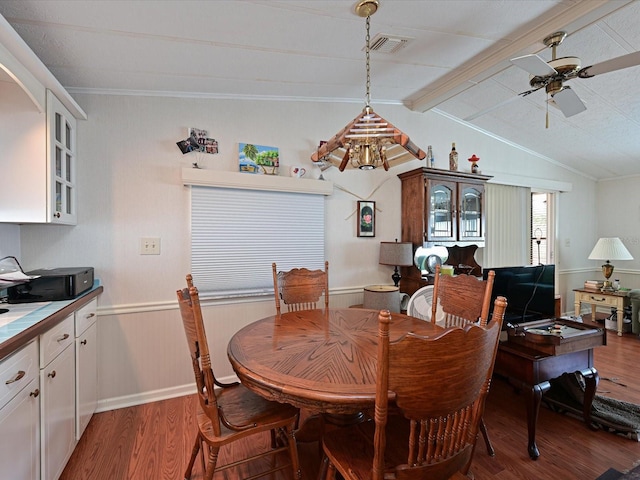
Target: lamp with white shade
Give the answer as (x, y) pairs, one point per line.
(398, 254)
(609, 249)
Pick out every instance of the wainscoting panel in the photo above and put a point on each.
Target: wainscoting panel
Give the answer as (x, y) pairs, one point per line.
(142, 351)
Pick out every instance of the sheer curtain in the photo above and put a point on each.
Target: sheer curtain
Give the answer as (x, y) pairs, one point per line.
(507, 225)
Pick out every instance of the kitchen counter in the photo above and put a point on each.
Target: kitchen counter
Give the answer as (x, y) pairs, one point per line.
(19, 332)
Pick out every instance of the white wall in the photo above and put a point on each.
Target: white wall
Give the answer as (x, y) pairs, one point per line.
(129, 187)
(618, 211)
(9, 240)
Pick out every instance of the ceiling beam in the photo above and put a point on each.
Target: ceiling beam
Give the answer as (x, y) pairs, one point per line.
(570, 18)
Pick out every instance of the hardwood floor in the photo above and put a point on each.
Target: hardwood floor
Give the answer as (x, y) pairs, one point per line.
(153, 441)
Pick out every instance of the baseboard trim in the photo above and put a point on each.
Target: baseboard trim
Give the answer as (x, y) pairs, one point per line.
(152, 396)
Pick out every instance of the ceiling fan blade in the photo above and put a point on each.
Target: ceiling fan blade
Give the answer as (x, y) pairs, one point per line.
(534, 65)
(618, 63)
(568, 102)
(499, 105)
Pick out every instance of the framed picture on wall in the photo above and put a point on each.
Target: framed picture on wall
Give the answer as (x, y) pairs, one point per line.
(366, 219)
(258, 159)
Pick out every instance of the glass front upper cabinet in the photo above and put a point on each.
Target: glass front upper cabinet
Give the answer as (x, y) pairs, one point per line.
(441, 224)
(62, 151)
(454, 212)
(471, 225)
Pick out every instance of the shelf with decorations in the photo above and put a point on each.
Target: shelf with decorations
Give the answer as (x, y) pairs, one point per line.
(225, 179)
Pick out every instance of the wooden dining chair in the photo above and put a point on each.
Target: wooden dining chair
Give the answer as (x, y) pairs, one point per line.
(300, 288)
(230, 412)
(460, 300)
(438, 386)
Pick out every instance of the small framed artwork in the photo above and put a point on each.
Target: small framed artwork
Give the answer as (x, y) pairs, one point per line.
(258, 159)
(366, 219)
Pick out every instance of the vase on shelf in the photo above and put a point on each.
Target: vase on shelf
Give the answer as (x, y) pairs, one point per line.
(453, 158)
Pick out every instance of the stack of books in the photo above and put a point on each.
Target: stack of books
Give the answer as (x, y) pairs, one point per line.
(595, 285)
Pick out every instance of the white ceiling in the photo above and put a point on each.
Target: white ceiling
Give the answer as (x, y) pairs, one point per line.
(456, 60)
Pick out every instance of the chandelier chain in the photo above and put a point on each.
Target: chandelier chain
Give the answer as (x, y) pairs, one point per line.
(365, 140)
(368, 84)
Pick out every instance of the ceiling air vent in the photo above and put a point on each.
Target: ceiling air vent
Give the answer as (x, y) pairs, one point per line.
(388, 43)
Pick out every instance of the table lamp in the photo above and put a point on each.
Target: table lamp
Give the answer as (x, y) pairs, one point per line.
(609, 249)
(538, 235)
(398, 254)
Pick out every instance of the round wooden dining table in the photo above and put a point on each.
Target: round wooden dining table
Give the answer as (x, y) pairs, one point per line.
(322, 360)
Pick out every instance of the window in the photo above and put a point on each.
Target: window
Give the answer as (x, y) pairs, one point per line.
(541, 251)
(236, 234)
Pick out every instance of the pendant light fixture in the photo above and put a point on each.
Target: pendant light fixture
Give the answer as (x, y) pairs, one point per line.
(369, 141)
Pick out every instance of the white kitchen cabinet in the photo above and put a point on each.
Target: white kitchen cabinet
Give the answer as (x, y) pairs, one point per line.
(38, 161)
(38, 138)
(57, 403)
(43, 410)
(20, 414)
(86, 365)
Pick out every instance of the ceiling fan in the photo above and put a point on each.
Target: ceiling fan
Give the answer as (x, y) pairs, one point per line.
(552, 75)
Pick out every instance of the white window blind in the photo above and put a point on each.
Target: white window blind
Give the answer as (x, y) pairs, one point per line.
(236, 234)
(507, 240)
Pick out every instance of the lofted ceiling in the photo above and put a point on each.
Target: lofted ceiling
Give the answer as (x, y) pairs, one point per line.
(455, 60)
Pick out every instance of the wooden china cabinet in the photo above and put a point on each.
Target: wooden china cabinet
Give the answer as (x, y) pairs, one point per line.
(440, 207)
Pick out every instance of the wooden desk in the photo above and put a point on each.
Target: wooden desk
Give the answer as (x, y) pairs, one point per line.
(324, 361)
(529, 364)
(619, 300)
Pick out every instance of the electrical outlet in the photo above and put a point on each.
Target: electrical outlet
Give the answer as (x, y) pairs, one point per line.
(150, 246)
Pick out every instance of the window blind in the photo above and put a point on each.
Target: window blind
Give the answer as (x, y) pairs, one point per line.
(236, 234)
(507, 240)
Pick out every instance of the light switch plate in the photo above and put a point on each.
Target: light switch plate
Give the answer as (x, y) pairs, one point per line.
(150, 246)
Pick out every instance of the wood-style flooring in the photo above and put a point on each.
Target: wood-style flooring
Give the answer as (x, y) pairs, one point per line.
(153, 441)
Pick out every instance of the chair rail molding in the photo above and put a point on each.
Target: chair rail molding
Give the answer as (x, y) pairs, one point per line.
(133, 308)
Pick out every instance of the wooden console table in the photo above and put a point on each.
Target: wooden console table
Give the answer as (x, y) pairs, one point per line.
(619, 300)
(529, 359)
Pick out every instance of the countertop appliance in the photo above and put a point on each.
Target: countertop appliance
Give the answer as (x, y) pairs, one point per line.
(52, 285)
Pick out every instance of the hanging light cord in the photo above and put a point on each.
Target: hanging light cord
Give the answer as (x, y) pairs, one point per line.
(368, 97)
(547, 116)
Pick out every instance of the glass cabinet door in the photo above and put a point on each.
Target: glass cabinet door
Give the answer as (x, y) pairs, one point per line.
(440, 220)
(62, 151)
(471, 226)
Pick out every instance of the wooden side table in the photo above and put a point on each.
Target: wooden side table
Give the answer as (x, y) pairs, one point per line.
(531, 371)
(382, 297)
(619, 300)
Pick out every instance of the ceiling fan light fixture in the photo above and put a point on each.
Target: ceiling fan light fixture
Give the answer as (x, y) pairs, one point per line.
(554, 87)
(551, 74)
(566, 66)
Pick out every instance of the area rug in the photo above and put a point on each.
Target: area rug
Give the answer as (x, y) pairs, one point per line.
(613, 474)
(567, 396)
